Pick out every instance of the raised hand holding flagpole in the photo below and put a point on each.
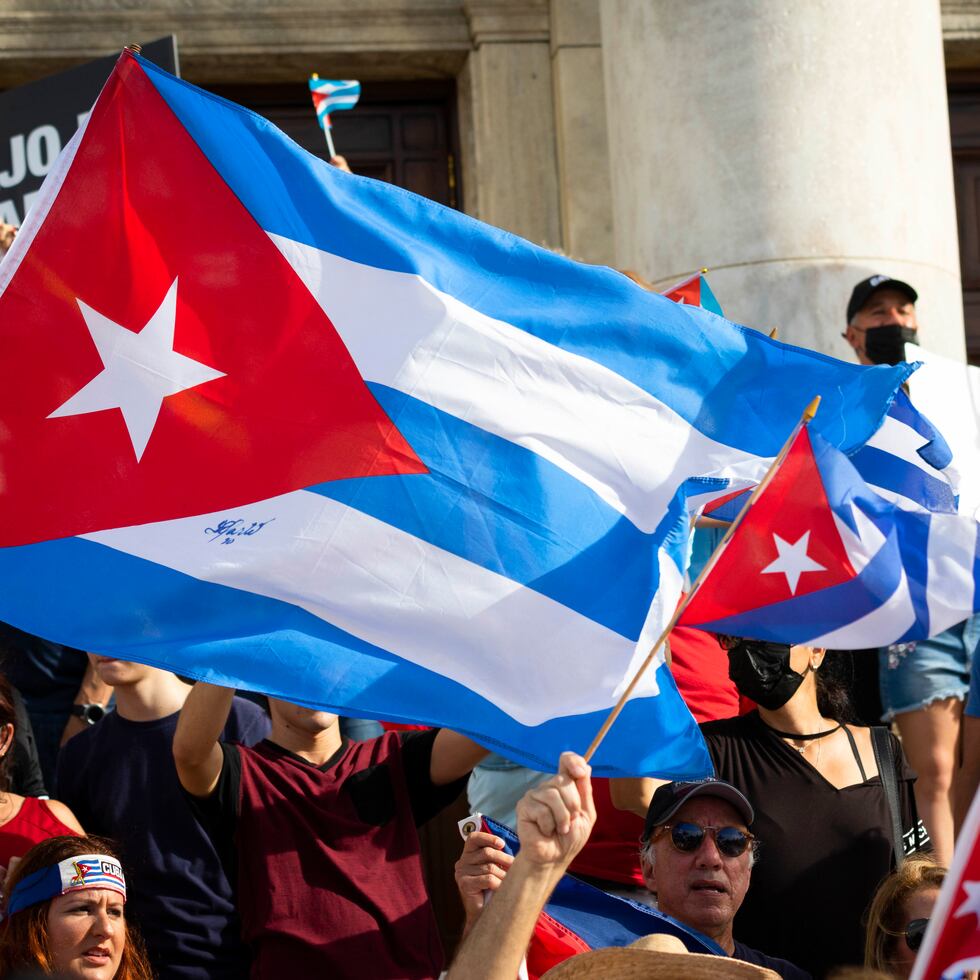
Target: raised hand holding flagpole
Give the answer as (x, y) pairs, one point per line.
(809, 412)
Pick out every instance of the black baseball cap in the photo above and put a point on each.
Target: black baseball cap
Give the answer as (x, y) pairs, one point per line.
(863, 290)
(670, 797)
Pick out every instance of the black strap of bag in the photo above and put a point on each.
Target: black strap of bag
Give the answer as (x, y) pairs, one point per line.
(881, 741)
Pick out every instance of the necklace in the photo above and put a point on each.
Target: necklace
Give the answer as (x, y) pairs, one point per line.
(805, 739)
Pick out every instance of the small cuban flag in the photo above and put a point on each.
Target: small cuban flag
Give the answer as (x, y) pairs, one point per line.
(332, 96)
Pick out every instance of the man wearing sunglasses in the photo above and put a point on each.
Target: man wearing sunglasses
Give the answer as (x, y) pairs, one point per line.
(697, 854)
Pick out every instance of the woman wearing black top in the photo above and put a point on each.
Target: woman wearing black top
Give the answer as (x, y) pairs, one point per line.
(822, 815)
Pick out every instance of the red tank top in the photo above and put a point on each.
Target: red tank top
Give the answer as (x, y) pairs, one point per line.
(329, 872)
(32, 823)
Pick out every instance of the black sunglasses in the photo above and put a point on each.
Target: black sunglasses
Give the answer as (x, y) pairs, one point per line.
(914, 932)
(688, 837)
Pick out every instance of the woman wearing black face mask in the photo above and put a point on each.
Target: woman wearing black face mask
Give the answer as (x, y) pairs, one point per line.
(821, 807)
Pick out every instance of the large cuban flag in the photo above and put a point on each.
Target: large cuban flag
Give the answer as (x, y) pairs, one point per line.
(272, 425)
(821, 558)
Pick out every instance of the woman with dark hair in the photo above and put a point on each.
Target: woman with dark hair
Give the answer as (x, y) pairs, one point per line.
(823, 814)
(24, 820)
(65, 914)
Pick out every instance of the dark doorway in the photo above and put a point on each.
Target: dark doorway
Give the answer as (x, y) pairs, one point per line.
(964, 124)
(400, 132)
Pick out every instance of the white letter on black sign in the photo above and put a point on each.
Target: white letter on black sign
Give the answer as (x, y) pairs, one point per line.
(18, 163)
(38, 162)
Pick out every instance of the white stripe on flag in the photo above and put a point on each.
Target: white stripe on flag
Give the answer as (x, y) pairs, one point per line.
(406, 596)
(951, 554)
(628, 447)
(903, 441)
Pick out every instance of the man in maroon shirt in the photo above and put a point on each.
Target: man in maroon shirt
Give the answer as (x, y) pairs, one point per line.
(321, 835)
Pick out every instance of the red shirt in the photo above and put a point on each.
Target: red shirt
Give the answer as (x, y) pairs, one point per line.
(700, 669)
(31, 824)
(612, 851)
(328, 862)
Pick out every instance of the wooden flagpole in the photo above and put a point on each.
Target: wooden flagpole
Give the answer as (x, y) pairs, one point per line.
(326, 129)
(805, 420)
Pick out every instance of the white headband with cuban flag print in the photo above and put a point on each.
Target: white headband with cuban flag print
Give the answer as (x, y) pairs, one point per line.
(71, 875)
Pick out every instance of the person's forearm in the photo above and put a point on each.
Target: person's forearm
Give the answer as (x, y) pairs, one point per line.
(453, 756)
(494, 948)
(633, 794)
(197, 753)
(92, 690)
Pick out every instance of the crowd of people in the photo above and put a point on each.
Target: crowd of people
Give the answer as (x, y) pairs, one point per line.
(150, 827)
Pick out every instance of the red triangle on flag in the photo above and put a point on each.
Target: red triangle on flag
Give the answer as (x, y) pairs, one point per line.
(688, 291)
(951, 946)
(140, 209)
(787, 545)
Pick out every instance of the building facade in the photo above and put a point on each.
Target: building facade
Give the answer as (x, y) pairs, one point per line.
(791, 148)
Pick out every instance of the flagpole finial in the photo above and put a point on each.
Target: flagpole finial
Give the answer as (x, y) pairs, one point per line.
(314, 76)
(704, 270)
(811, 409)
(135, 48)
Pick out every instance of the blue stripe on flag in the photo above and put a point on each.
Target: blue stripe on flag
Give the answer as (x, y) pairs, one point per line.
(976, 569)
(58, 589)
(913, 533)
(511, 511)
(883, 469)
(691, 360)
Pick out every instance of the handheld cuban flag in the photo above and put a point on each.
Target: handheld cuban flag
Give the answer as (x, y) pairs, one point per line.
(332, 96)
(579, 917)
(694, 291)
(950, 948)
(275, 426)
(821, 559)
(70, 875)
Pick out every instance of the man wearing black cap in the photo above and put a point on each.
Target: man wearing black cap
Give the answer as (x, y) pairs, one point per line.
(881, 319)
(924, 693)
(697, 856)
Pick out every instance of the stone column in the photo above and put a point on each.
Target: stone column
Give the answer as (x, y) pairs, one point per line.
(793, 148)
(507, 120)
(580, 126)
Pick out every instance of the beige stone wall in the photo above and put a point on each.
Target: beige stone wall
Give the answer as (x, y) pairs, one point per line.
(580, 124)
(782, 148)
(510, 171)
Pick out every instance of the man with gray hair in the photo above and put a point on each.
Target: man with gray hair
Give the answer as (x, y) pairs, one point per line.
(697, 856)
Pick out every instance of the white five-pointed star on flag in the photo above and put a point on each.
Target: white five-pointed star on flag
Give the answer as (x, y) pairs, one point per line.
(140, 370)
(793, 560)
(971, 905)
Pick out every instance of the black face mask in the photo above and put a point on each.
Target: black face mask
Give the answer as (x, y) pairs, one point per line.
(761, 671)
(886, 345)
